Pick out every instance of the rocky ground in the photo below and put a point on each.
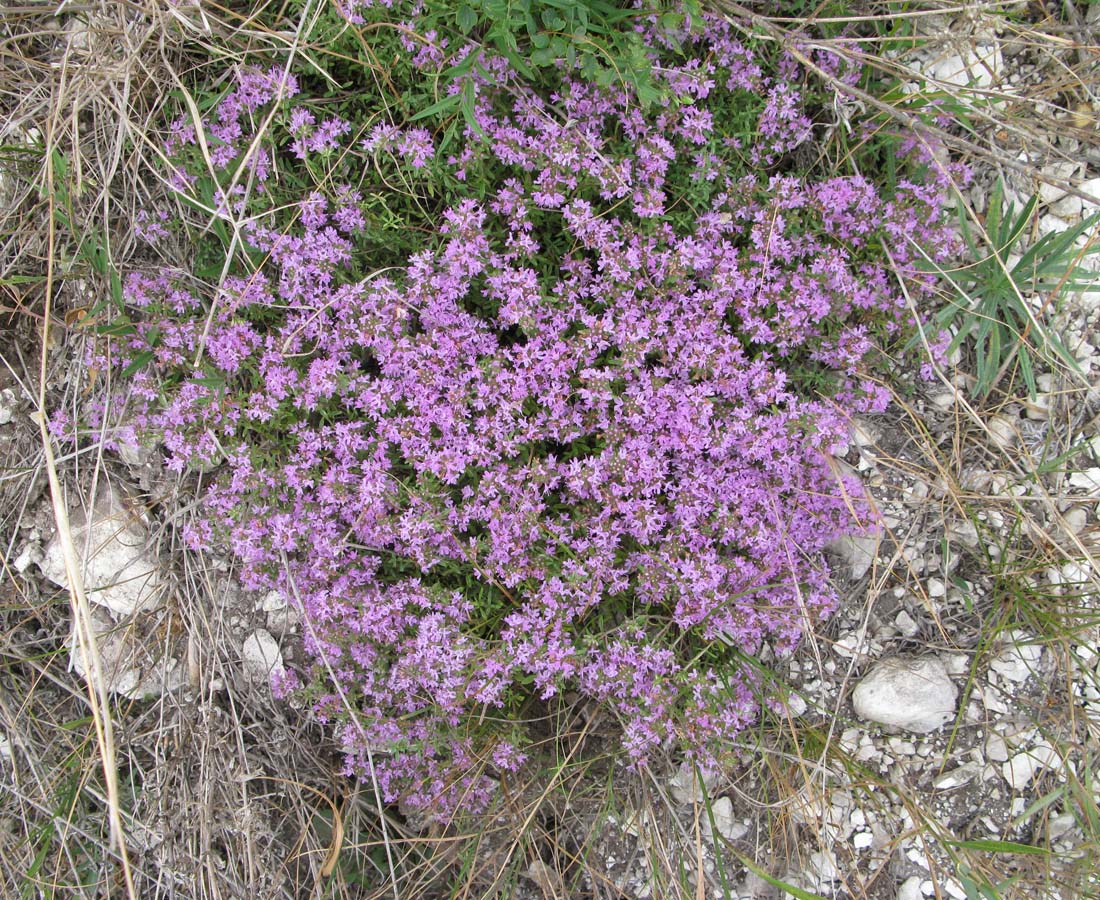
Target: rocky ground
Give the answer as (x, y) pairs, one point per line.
(949, 712)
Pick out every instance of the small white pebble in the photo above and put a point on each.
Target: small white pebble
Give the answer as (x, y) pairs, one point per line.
(906, 626)
(1076, 519)
(261, 655)
(910, 889)
(955, 889)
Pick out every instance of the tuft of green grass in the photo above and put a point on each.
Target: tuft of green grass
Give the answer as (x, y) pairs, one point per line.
(991, 308)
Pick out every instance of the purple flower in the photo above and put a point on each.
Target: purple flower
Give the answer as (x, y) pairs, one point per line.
(569, 444)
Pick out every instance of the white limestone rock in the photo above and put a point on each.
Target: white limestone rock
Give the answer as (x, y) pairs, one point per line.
(1004, 431)
(261, 655)
(980, 66)
(1023, 767)
(907, 693)
(687, 787)
(1019, 659)
(823, 869)
(725, 823)
(1086, 480)
(9, 402)
(956, 778)
(863, 840)
(910, 889)
(29, 556)
(119, 569)
(1069, 207)
(996, 748)
(858, 551)
(1092, 188)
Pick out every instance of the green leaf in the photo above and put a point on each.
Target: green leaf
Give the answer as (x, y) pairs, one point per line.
(1027, 368)
(468, 110)
(139, 362)
(542, 58)
(60, 164)
(120, 327)
(990, 845)
(672, 21)
(116, 289)
(447, 104)
(467, 19)
(518, 65)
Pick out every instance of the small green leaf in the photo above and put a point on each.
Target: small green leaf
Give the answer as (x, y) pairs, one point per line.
(60, 164)
(542, 58)
(467, 19)
(120, 327)
(447, 104)
(139, 362)
(990, 845)
(672, 21)
(468, 110)
(116, 289)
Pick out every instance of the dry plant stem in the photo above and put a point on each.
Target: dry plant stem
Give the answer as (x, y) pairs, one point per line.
(97, 690)
(328, 866)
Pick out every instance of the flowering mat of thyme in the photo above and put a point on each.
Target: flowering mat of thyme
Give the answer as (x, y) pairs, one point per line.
(549, 450)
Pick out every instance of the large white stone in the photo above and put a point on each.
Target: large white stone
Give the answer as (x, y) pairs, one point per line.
(1059, 171)
(118, 568)
(910, 889)
(1092, 188)
(979, 67)
(907, 693)
(1086, 480)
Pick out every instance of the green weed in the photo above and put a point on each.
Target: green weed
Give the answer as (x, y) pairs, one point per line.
(991, 307)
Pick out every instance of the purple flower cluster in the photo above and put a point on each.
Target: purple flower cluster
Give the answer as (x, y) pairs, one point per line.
(569, 444)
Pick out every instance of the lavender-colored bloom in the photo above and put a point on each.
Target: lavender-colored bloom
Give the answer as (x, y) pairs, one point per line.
(492, 474)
